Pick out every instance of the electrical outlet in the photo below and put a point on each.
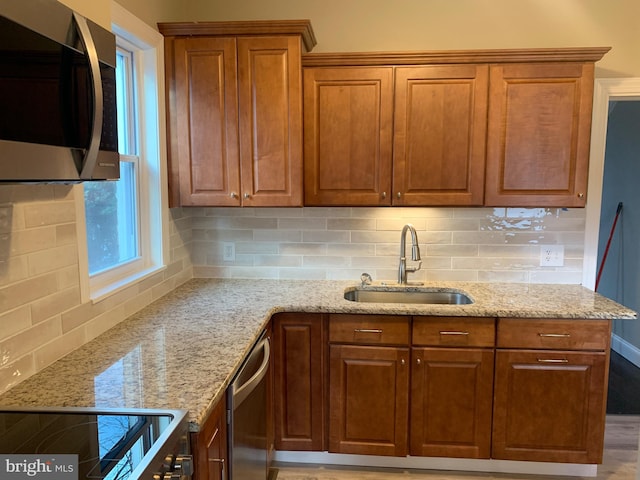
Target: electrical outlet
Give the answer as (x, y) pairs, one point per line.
(551, 255)
(228, 251)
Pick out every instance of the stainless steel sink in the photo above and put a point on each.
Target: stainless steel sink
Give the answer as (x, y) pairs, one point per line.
(448, 297)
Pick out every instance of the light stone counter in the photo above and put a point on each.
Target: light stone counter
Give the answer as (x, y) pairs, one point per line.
(183, 350)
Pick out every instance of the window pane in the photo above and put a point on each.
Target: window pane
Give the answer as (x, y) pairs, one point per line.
(111, 213)
(124, 102)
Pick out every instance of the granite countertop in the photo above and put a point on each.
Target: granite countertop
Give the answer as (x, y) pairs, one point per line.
(182, 351)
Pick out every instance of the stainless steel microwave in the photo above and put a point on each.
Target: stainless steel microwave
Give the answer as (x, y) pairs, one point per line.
(57, 95)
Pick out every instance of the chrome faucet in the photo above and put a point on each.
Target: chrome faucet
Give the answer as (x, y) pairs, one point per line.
(415, 253)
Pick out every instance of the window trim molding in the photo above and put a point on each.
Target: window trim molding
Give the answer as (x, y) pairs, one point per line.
(151, 144)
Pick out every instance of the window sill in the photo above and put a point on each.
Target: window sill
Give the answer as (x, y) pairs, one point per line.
(102, 294)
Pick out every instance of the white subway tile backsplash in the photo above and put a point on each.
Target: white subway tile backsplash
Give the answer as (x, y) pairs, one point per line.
(286, 249)
(52, 259)
(328, 236)
(396, 224)
(15, 321)
(312, 223)
(351, 224)
(51, 213)
(492, 244)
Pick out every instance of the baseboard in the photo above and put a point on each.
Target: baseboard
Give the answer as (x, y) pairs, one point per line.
(440, 463)
(626, 349)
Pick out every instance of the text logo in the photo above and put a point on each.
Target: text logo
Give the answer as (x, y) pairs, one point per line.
(29, 467)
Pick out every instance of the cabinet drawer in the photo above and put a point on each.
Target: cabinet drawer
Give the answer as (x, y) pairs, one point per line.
(369, 329)
(554, 334)
(454, 331)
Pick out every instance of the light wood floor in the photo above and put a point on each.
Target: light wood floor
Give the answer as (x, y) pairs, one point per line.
(620, 462)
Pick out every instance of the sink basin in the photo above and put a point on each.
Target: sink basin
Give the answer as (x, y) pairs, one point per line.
(448, 297)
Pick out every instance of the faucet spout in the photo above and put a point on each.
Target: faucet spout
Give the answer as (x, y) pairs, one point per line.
(415, 253)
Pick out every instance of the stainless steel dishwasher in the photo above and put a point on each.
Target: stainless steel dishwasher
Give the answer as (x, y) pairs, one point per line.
(247, 404)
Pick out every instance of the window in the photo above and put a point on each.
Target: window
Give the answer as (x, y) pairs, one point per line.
(124, 234)
(111, 208)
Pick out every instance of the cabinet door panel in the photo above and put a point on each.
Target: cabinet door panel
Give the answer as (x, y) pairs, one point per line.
(209, 446)
(206, 120)
(549, 406)
(270, 106)
(299, 379)
(347, 135)
(439, 135)
(451, 399)
(368, 400)
(539, 134)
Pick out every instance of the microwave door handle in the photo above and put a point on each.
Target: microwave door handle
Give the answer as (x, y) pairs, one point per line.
(91, 155)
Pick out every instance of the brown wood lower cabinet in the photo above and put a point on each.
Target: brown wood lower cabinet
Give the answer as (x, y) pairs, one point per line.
(549, 406)
(368, 399)
(209, 446)
(550, 398)
(451, 399)
(462, 387)
(298, 346)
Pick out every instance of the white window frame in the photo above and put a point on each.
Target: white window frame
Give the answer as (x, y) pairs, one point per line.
(152, 173)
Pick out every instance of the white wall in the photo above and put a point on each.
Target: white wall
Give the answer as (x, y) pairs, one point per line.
(357, 25)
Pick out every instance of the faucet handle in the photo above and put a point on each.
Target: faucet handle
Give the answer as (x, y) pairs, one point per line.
(366, 279)
(414, 268)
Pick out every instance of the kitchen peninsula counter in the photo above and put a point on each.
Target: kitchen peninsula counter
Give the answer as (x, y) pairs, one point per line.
(182, 351)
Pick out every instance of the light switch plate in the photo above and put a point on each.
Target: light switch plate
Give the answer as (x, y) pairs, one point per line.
(228, 251)
(551, 255)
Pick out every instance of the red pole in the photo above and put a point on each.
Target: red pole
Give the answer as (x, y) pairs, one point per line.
(606, 250)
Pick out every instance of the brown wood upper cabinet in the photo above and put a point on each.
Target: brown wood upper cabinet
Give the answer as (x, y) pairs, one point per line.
(421, 128)
(348, 117)
(234, 99)
(433, 154)
(539, 134)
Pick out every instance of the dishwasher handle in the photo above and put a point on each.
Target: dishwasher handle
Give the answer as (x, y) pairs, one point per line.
(240, 393)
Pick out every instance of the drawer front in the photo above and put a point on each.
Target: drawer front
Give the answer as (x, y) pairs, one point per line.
(561, 334)
(369, 329)
(454, 331)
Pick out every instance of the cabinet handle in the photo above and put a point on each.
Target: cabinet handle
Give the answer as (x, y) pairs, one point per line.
(580, 195)
(553, 360)
(419, 361)
(402, 362)
(246, 195)
(399, 195)
(367, 330)
(221, 462)
(453, 332)
(233, 195)
(555, 335)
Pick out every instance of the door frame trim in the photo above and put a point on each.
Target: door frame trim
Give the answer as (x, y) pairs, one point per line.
(605, 89)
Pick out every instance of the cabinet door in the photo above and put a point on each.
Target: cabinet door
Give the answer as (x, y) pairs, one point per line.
(439, 135)
(368, 400)
(203, 130)
(270, 116)
(451, 400)
(549, 406)
(347, 135)
(299, 379)
(210, 446)
(539, 134)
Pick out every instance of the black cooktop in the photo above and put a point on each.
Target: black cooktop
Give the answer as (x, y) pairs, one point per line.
(109, 444)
